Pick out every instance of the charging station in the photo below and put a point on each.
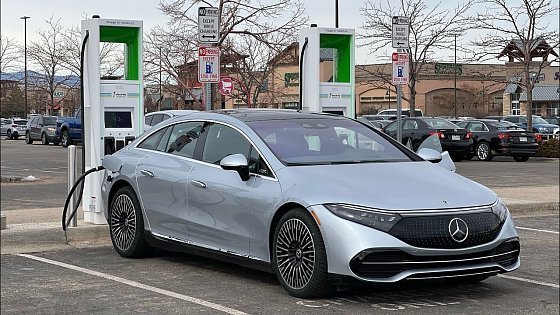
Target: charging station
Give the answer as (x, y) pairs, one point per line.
(113, 109)
(327, 89)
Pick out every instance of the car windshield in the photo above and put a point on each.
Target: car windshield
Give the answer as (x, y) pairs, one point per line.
(539, 120)
(313, 141)
(49, 121)
(439, 123)
(20, 122)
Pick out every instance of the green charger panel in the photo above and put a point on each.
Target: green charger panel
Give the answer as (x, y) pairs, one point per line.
(129, 37)
(342, 44)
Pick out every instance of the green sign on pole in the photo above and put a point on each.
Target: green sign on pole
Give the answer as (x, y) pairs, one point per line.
(447, 68)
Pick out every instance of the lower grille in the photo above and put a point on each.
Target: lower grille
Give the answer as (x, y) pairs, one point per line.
(385, 263)
(433, 231)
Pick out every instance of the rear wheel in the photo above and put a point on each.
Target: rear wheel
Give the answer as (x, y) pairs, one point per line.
(126, 224)
(44, 139)
(483, 151)
(28, 138)
(65, 138)
(8, 134)
(521, 158)
(299, 258)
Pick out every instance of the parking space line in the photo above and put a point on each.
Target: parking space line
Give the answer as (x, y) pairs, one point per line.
(552, 285)
(183, 297)
(537, 230)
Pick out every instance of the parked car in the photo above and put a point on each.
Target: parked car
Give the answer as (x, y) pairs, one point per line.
(373, 117)
(69, 129)
(293, 193)
(42, 128)
(405, 112)
(540, 125)
(555, 120)
(493, 138)
(498, 118)
(154, 118)
(457, 141)
(12, 128)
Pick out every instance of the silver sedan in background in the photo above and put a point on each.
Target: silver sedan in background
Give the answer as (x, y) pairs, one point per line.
(299, 194)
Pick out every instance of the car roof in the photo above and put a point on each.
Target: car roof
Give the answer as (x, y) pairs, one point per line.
(248, 115)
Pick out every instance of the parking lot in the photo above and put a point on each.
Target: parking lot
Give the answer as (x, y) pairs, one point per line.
(94, 279)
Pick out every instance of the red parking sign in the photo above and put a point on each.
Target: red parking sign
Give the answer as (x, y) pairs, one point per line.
(400, 68)
(225, 85)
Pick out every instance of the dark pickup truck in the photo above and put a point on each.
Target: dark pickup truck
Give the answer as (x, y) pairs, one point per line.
(69, 129)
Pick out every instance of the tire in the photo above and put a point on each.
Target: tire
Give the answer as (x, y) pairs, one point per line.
(483, 151)
(521, 158)
(8, 135)
(309, 263)
(457, 157)
(65, 139)
(126, 224)
(44, 139)
(28, 138)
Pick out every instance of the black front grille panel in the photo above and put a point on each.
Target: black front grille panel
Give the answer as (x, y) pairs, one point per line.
(433, 231)
(385, 263)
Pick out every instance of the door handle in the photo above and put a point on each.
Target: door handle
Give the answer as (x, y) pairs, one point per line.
(198, 183)
(147, 173)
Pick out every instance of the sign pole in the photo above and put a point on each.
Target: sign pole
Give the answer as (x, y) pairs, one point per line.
(399, 113)
(208, 96)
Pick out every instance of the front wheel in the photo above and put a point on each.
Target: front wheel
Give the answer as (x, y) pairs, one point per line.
(126, 225)
(65, 137)
(521, 158)
(44, 140)
(483, 151)
(299, 258)
(28, 138)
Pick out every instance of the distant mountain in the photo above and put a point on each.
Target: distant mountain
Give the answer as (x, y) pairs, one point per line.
(37, 78)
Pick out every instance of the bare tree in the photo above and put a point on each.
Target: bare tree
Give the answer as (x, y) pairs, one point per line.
(10, 53)
(47, 55)
(273, 25)
(431, 28)
(520, 32)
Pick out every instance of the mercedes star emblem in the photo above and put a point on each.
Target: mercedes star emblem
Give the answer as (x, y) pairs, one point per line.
(458, 230)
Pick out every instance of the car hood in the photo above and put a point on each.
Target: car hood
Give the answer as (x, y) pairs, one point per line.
(391, 186)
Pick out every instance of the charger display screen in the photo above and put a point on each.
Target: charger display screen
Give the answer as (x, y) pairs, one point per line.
(118, 120)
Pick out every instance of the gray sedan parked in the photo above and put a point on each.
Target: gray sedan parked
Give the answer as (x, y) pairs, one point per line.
(297, 194)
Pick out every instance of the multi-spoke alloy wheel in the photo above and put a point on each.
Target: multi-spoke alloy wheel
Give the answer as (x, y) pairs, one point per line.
(483, 151)
(295, 253)
(123, 222)
(126, 225)
(299, 258)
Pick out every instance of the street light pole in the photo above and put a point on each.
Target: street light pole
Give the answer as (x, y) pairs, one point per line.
(455, 78)
(336, 13)
(24, 18)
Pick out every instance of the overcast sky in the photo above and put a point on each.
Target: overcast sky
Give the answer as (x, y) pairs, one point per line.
(71, 12)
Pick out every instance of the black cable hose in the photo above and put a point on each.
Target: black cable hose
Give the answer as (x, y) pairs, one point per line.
(301, 74)
(82, 122)
(78, 181)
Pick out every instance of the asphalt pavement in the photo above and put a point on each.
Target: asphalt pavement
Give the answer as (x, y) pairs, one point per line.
(42, 274)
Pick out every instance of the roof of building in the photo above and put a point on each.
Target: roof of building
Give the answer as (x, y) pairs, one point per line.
(543, 93)
(511, 88)
(538, 48)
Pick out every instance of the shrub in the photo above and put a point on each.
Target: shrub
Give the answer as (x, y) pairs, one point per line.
(549, 148)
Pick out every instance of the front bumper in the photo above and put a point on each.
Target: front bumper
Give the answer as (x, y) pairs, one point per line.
(347, 242)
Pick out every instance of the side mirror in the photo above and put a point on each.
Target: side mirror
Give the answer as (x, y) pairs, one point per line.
(236, 162)
(430, 155)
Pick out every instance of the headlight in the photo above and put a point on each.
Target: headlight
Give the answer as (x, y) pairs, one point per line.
(377, 219)
(51, 129)
(500, 210)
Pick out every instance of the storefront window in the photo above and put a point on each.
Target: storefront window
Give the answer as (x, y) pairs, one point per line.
(552, 109)
(515, 108)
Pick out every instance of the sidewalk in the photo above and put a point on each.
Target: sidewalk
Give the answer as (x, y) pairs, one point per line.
(34, 230)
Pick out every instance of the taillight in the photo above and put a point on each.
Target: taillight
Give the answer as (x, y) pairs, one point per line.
(538, 136)
(503, 136)
(439, 133)
(468, 135)
(14, 126)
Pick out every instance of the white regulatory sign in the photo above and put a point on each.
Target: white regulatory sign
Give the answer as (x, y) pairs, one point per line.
(208, 64)
(401, 29)
(400, 68)
(208, 25)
